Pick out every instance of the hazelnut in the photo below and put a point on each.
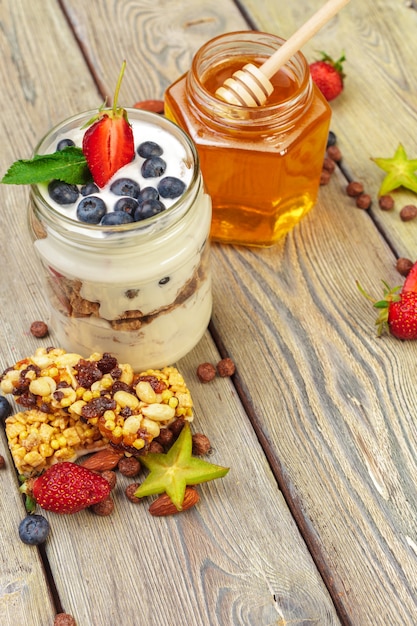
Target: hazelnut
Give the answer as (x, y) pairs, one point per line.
(164, 438)
(2, 462)
(354, 189)
(408, 212)
(176, 426)
(226, 367)
(333, 152)
(129, 466)
(206, 372)
(111, 477)
(64, 619)
(403, 266)
(325, 177)
(363, 201)
(103, 508)
(156, 448)
(386, 203)
(39, 329)
(130, 492)
(329, 165)
(201, 444)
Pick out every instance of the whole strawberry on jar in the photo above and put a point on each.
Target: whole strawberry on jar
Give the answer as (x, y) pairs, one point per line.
(261, 165)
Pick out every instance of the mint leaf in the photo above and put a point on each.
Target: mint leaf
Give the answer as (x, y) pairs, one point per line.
(68, 165)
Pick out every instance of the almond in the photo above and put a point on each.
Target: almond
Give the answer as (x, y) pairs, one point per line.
(103, 460)
(163, 505)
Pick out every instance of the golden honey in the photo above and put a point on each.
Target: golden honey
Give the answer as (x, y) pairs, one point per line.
(261, 166)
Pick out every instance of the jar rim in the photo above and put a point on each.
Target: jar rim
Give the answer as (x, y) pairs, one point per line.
(94, 231)
(266, 43)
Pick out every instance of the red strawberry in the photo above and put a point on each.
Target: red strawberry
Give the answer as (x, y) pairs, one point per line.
(67, 488)
(108, 144)
(398, 309)
(328, 75)
(402, 316)
(410, 283)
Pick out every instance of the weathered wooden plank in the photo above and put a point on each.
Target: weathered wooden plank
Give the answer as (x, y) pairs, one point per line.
(157, 38)
(238, 557)
(378, 108)
(235, 558)
(338, 409)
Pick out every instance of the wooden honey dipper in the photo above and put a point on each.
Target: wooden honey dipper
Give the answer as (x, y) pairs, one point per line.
(251, 86)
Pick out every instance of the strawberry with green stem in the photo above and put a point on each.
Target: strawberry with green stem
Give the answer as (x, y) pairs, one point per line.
(397, 308)
(65, 488)
(108, 143)
(328, 75)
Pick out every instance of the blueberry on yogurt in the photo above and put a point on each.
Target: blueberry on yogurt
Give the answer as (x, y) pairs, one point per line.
(91, 210)
(153, 167)
(171, 187)
(64, 143)
(89, 188)
(149, 149)
(115, 218)
(63, 193)
(127, 205)
(125, 187)
(148, 193)
(148, 209)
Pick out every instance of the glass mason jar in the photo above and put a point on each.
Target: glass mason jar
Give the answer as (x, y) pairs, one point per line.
(261, 165)
(141, 291)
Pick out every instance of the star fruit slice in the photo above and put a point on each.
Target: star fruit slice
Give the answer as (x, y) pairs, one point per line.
(171, 472)
(400, 172)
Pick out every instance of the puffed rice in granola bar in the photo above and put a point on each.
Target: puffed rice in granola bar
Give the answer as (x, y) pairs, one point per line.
(38, 440)
(127, 409)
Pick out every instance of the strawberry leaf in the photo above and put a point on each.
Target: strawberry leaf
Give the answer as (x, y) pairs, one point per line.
(68, 165)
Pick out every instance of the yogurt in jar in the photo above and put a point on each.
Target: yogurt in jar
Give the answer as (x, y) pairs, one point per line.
(139, 290)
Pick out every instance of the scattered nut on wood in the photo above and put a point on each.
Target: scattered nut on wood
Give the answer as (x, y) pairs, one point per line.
(201, 444)
(333, 152)
(403, 266)
(354, 188)
(408, 212)
(64, 619)
(206, 372)
(39, 329)
(363, 201)
(130, 493)
(226, 367)
(386, 203)
(103, 508)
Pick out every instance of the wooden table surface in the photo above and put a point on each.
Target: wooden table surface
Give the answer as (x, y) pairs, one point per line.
(316, 522)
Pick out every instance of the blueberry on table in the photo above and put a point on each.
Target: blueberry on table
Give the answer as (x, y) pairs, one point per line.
(91, 210)
(153, 167)
(63, 193)
(34, 529)
(149, 149)
(148, 209)
(125, 187)
(171, 187)
(89, 188)
(5, 408)
(127, 205)
(64, 143)
(115, 218)
(148, 193)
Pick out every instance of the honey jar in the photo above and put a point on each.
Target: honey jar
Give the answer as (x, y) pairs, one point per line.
(261, 165)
